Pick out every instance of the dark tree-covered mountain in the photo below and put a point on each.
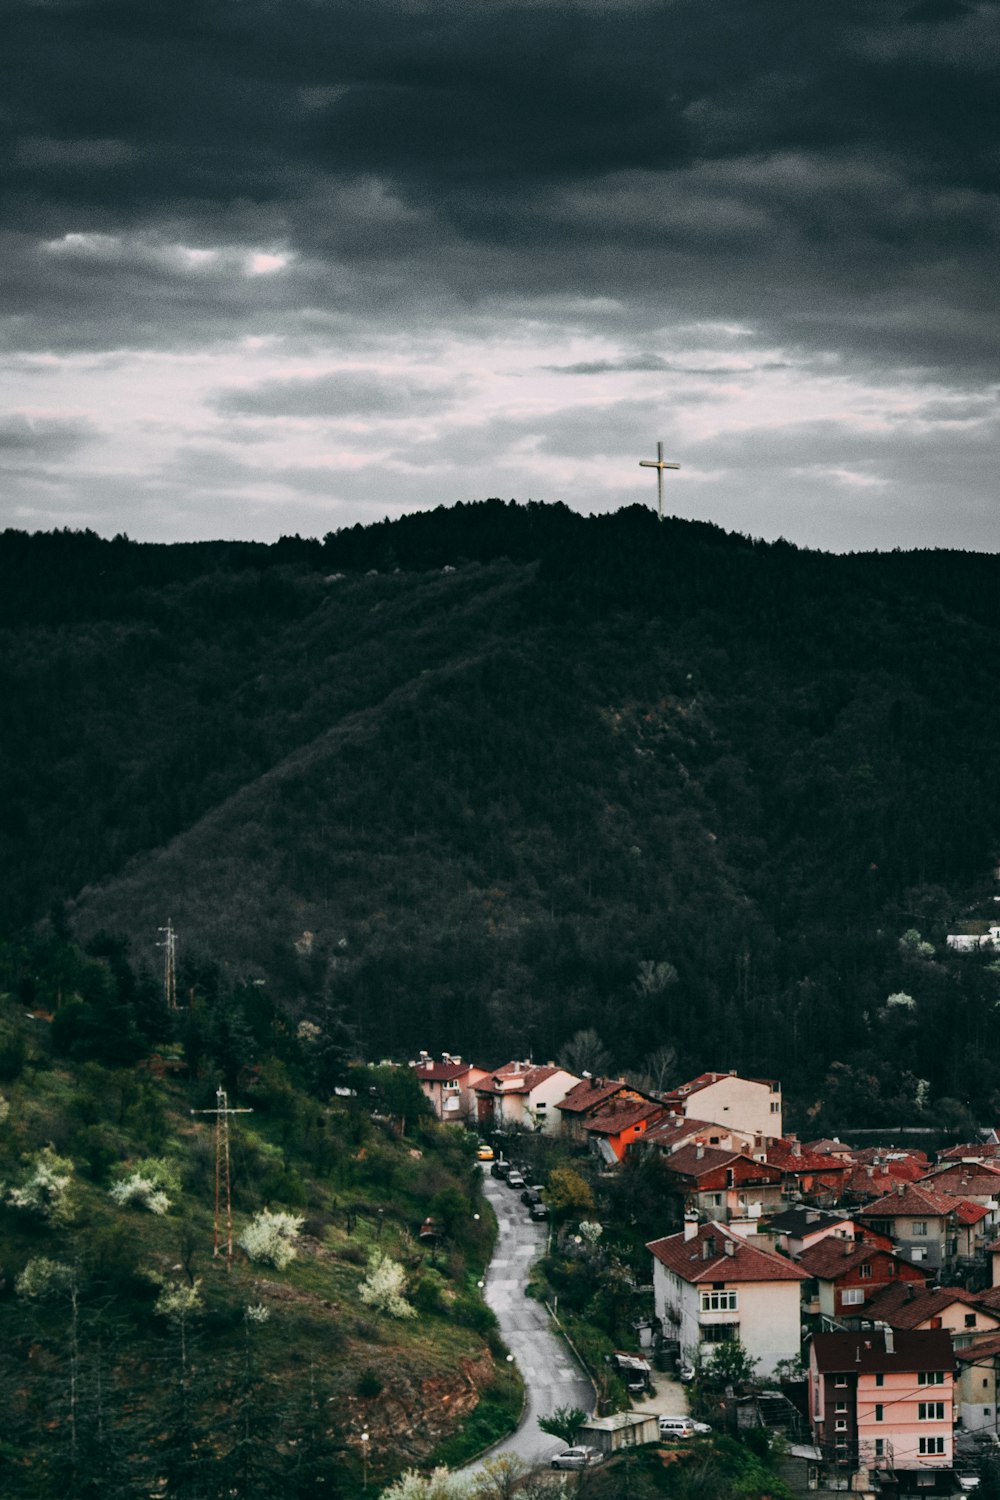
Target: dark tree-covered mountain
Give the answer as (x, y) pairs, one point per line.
(489, 776)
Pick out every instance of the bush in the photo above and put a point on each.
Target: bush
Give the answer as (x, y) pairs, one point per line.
(368, 1384)
(268, 1238)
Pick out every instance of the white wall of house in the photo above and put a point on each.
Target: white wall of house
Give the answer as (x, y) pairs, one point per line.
(742, 1103)
(540, 1105)
(767, 1314)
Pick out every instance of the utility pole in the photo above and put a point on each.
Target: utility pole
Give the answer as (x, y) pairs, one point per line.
(223, 1190)
(169, 946)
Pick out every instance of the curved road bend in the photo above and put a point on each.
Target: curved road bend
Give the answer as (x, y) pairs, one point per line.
(552, 1376)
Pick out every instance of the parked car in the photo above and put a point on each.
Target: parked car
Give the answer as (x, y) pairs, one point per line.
(538, 1211)
(514, 1179)
(676, 1427)
(576, 1458)
(685, 1372)
(500, 1168)
(700, 1427)
(485, 1153)
(531, 1195)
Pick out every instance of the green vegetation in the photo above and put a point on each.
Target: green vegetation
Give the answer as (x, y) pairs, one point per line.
(131, 1361)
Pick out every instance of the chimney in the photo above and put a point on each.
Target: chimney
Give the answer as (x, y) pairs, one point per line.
(899, 1189)
(708, 1247)
(730, 1247)
(690, 1226)
(890, 1346)
(457, 1061)
(910, 1293)
(796, 1148)
(699, 1152)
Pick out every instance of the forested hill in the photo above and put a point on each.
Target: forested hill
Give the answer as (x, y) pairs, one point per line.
(482, 778)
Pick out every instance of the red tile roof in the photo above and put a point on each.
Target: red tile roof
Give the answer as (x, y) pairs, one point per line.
(528, 1076)
(589, 1093)
(913, 1349)
(907, 1199)
(971, 1213)
(614, 1121)
(703, 1257)
(831, 1257)
(983, 1349)
(972, 1151)
(705, 1080)
(441, 1072)
(682, 1127)
(907, 1305)
(790, 1156)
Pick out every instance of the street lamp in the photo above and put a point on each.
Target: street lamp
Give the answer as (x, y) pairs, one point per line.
(364, 1460)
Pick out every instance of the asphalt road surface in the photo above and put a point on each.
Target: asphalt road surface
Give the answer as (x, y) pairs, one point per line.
(552, 1376)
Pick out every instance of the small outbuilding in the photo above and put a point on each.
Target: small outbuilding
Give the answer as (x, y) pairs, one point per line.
(624, 1429)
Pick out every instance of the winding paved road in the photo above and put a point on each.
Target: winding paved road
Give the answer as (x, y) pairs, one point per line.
(552, 1376)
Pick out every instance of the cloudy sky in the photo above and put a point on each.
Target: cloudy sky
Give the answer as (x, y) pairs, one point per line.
(277, 266)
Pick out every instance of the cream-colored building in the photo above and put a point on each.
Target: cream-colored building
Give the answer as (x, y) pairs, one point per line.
(751, 1105)
(710, 1287)
(524, 1095)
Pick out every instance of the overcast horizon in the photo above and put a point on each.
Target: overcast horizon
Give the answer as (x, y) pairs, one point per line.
(276, 268)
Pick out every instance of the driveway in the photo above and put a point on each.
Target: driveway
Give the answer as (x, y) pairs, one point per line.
(552, 1376)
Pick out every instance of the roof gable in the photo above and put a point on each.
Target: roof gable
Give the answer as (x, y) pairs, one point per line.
(713, 1253)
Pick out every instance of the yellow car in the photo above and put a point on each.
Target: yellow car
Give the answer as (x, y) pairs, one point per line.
(485, 1153)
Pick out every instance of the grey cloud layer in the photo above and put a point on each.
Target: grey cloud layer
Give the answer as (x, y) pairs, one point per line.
(831, 171)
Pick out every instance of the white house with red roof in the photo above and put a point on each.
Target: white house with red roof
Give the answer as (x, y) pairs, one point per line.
(931, 1229)
(448, 1086)
(752, 1105)
(678, 1130)
(523, 1094)
(711, 1286)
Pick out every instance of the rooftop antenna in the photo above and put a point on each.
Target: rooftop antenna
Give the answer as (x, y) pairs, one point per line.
(223, 1192)
(659, 465)
(169, 946)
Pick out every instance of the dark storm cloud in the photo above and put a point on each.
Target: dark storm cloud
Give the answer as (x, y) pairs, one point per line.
(344, 393)
(775, 157)
(25, 436)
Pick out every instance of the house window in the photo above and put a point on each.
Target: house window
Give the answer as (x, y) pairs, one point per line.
(879, 1409)
(841, 1406)
(930, 1411)
(920, 1228)
(715, 1199)
(840, 1425)
(852, 1296)
(930, 1377)
(918, 1253)
(879, 1378)
(866, 1270)
(840, 1380)
(970, 1320)
(931, 1445)
(719, 1333)
(880, 1447)
(775, 1107)
(720, 1302)
(882, 1226)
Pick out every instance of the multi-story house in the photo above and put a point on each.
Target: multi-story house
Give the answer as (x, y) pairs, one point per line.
(585, 1098)
(809, 1174)
(722, 1185)
(522, 1095)
(619, 1125)
(845, 1273)
(963, 1315)
(679, 1130)
(752, 1105)
(881, 1402)
(978, 1372)
(711, 1286)
(800, 1227)
(448, 1085)
(922, 1224)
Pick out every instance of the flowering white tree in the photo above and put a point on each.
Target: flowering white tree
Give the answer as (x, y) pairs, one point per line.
(146, 1186)
(384, 1288)
(45, 1190)
(42, 1278)
(177, 1302)
(440, 1484)
(268, 1237)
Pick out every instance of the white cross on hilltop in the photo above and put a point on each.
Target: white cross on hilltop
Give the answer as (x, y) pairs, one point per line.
(658, 464)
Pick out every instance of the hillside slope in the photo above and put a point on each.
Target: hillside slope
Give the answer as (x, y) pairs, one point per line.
(546, 773)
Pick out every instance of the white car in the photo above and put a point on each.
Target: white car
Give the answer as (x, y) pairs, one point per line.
(576, 1458)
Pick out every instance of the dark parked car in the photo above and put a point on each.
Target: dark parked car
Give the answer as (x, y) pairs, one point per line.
(500, 1168)
(531, 1195)
(538, 1211)
(514, 1179)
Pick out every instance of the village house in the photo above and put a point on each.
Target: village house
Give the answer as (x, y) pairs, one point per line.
(809, 1174)
(752, 1105)
(677, 1130)
(987, 1150)
(593, 1096)
(880, 1404)
(800, 1227)
(844, 1273)
(448, 1086)
(976, 1385)
(618, 1125)
(523, 1096)
(722, 1185)
(831, 1146)
(711, 1286)
(972, 1182)
(962, 1314)
(922, 1224)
